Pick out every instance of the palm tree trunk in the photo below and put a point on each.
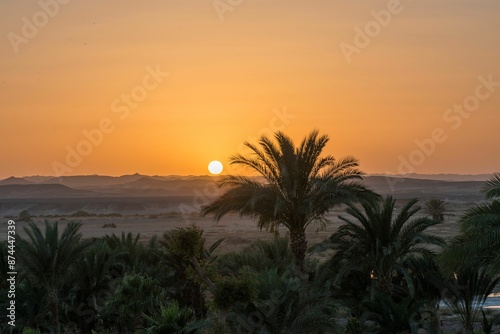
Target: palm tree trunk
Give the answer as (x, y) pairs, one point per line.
(298, 244)
(54, 310)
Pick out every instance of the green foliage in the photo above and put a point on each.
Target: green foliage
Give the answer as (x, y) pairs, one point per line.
(128, 251)
(171, 319)
(31, 306)
(392, 316)
(261, 256)
(134, 296)
(284, 304)
(235, 289)
(186, 242)
(46, 259)
(91, 281)
(479, 240)
(354, 326)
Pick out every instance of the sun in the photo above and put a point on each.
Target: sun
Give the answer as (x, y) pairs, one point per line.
(215, 167)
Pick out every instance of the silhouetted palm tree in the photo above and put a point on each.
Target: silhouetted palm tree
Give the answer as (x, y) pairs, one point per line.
(435, 208)
(299, 187)
(90, 281)
(478, 243)
(46, 259)
(383, 246)
(183, 251)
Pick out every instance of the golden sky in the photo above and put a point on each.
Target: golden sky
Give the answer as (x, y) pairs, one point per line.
(165, 86)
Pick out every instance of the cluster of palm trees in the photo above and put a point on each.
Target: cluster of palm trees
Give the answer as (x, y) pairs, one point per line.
(386, 271)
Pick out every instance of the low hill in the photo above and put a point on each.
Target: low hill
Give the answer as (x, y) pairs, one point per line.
(91, 181)
(41, 191)
(405, 188)
(14, 180)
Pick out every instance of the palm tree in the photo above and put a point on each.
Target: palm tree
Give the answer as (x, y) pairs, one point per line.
(479, 240)
(435, 208)
(299, 187)
(46, 259)
(90, 281)
(387, 248)
(183, 251)
(284, 305)
(128, 250)
(135, 297)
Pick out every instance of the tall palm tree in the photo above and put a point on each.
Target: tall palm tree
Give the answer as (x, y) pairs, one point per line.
(478, 242)
(435, 208)
(46, 258)
(386, 247)
(299, 187)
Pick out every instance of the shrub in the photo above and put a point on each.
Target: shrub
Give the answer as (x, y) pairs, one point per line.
(24, 216)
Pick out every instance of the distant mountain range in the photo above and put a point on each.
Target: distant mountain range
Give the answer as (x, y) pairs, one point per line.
(104, 186)
(139, 194)
(41, 191)
(441, 177)
(137, 185)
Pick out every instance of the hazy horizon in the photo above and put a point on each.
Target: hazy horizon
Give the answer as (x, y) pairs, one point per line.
(166, 87)
(423, 176)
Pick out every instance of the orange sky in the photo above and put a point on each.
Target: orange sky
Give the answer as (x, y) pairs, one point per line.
(376, 95)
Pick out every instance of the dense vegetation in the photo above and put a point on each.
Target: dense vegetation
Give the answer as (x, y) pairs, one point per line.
(387, 272)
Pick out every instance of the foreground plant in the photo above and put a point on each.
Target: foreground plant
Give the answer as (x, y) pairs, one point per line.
(46, 259)
(390, 250)
(478, 243)
(466, 294)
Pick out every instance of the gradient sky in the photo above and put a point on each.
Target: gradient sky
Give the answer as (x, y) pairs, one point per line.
(228, 79)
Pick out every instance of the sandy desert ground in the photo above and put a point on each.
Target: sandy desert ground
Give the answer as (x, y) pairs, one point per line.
(237, 232)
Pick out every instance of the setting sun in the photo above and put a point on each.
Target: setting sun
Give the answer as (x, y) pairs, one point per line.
(215, 167)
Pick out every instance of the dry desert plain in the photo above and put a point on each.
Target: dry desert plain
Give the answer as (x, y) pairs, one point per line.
(153, 205)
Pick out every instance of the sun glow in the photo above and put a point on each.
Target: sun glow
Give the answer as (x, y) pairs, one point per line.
(215, 167)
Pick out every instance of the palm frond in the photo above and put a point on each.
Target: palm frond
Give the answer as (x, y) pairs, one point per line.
(491, 188)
